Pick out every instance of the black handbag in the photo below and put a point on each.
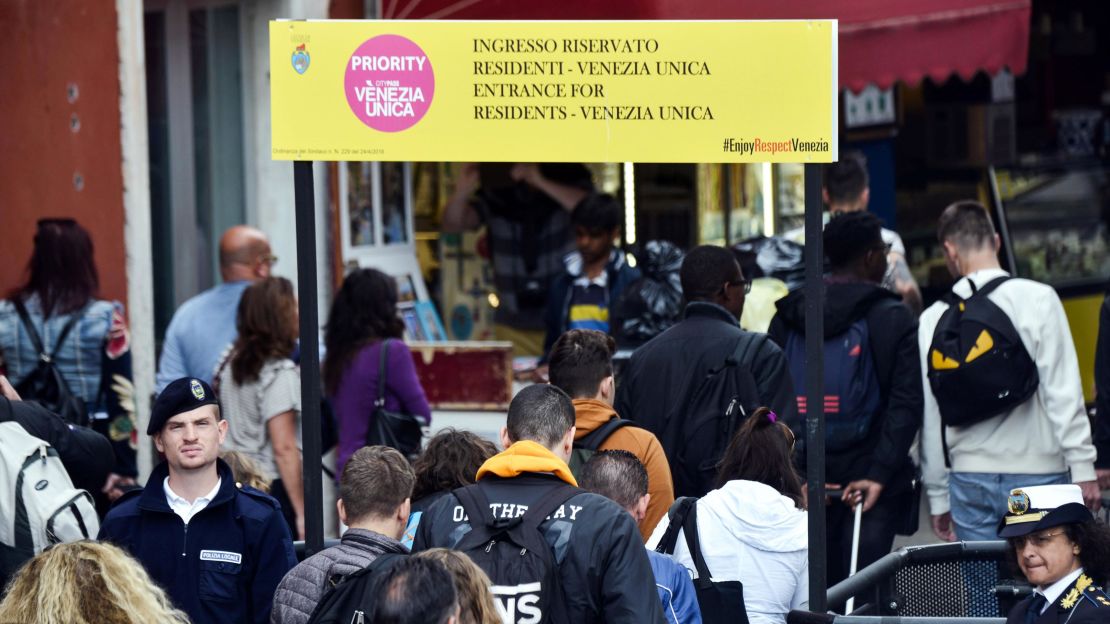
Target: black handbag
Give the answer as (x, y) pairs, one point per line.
(720, 602)
(398, 430)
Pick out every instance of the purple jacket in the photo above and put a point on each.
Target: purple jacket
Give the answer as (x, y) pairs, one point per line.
(353, 403)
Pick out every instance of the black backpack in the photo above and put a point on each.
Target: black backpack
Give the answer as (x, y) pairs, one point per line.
(978, 366)
(351, 600)
(585, 448)
(721, 602)
(704, 426)
(45, 385)
(851, 393)
(514, 554)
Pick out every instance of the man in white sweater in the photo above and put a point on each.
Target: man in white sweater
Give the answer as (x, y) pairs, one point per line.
(1046, 439)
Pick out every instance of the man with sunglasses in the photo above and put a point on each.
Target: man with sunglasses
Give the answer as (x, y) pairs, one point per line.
(205, 325)
(873, 397)
(693, 384)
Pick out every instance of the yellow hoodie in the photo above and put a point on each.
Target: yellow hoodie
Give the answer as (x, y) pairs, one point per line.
(526, 456)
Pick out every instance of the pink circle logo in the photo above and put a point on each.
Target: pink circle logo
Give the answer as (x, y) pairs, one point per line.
(389, 83)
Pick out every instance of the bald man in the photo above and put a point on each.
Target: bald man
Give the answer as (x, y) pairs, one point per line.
(205, 325)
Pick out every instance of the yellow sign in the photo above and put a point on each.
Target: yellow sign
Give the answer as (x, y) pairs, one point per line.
(726, 91)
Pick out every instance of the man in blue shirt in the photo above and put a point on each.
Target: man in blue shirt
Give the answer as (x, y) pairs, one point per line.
(205, 325)
(620, 477)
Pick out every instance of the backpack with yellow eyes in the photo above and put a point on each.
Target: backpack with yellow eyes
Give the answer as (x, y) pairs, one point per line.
(978, 366)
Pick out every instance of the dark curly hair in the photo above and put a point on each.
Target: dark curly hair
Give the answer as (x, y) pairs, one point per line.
(450, 460)
(364, 310)
(1093, 539)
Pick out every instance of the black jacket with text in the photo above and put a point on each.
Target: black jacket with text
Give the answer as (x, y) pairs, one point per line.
(604, 571)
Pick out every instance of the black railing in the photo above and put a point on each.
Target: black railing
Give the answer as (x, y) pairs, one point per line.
(936, 583)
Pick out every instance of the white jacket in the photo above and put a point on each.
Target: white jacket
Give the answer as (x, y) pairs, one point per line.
(1049, 433)
(752, 534)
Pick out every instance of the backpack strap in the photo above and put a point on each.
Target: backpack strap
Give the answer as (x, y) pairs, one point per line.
(33, 334)
(384, 355)
(690, 529)
(597, 437)
(989, 287)
(541, 509)
(951, 298)
(475, 504)
(676, 516)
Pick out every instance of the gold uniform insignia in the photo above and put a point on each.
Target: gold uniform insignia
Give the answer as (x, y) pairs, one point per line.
(1072, 597)
(1018, 503)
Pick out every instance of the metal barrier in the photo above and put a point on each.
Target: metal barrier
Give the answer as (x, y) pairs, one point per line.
(936, 583)
(805, 617)
(298, 547)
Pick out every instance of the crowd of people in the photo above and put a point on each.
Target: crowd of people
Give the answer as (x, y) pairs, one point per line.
(669, 491)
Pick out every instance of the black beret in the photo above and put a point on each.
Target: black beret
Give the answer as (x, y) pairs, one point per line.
(180, 396)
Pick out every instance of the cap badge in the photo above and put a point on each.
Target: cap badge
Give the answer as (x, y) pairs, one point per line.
(1018, 502)
(198, 391)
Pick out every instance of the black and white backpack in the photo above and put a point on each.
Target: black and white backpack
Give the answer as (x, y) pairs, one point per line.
(516, 557)
(38, 504)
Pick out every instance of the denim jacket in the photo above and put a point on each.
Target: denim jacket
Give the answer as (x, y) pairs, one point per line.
(79, 360)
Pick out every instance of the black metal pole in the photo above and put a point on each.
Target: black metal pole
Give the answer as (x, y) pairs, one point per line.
(815, 399)
(310, 357)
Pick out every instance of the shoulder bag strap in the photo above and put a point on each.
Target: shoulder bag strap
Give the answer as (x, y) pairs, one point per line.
(36, 340)
(690, 528)
(384, 354)
(676, 516)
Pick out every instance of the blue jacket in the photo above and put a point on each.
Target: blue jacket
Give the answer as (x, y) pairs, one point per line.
(676, 590)
(225, 565)
(620, 275)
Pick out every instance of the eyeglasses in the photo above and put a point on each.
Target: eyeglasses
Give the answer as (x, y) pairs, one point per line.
(269, 260)
(1038, 541)
(747, 284)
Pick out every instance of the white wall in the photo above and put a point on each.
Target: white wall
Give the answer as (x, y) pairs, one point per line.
(269, 188)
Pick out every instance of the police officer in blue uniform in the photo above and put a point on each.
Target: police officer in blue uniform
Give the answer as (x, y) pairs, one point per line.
(1062, 551)
(218, 548)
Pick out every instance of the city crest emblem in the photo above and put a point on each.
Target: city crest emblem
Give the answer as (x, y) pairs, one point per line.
(301, 59)
(1018, 502)
(198, 391)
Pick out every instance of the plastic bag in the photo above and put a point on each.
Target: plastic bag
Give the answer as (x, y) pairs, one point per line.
(652, 303)
(773, 256)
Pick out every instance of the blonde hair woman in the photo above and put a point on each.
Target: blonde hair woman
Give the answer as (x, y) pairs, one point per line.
(86, 583)
(471, 583)
(245, 470)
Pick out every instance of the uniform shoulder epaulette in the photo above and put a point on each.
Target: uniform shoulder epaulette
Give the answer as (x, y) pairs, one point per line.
(1096, 596)
(126, 496)
(257, 495)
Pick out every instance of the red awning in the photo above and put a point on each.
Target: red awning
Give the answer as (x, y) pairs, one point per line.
(881, 41)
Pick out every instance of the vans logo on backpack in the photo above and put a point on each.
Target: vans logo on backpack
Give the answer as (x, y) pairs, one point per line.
(518, 603)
